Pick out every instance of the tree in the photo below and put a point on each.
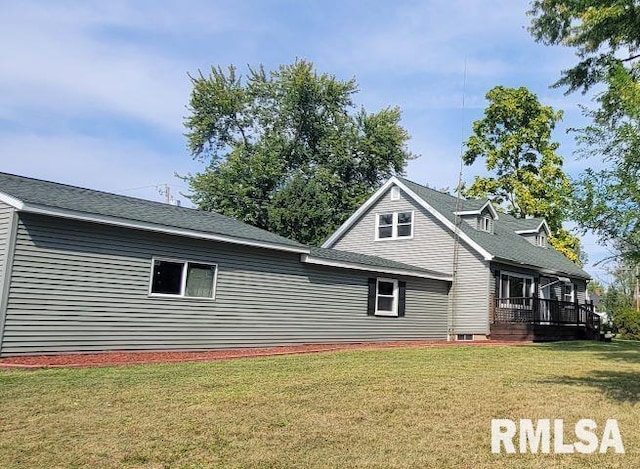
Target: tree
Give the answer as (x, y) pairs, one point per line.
(514, 138)
(288, 151)
(603, 33)
(619, 300)
(605, 37)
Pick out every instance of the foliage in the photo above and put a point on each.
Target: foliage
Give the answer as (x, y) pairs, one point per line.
(287, 150)
(606, 40)
(603, 33)
(608, 199)
(618, 300)
(514, 138)
(627, 323)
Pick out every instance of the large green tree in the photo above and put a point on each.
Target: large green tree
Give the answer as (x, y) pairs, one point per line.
(526, 176)
(288, 150)
(606, 38)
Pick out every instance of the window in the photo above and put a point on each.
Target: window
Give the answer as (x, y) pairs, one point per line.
(386, 297)
(541, 240)
(186, 279)
(486, 224)
(465, 337)
(516, 290)
(568, 292)
(394, 225)
(395, 193)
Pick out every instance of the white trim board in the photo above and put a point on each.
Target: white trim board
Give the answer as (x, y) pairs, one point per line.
(374, 198)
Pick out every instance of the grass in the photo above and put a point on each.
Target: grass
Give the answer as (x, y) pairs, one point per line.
(429, 407)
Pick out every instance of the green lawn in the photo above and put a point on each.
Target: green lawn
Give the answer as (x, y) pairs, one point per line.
(429, 407)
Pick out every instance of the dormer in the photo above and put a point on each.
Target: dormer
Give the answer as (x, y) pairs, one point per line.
(538, 232)
(481, 218)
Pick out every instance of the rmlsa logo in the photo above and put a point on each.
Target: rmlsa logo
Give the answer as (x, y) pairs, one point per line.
(537, 438)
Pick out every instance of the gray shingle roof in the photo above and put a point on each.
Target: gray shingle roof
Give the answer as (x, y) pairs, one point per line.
(61, 196)
(504, 244)
(368, 260)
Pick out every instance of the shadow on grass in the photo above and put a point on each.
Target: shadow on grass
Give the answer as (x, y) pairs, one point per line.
(621, 386)
(621, 351)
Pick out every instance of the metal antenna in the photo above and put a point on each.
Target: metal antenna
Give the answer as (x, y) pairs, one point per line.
(457, 219)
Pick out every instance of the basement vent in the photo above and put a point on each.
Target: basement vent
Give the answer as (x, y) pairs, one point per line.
(465, 337)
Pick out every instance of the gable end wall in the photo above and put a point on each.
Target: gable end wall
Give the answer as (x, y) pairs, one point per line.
(431, 247)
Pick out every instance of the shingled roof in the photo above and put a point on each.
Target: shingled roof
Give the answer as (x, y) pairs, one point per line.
(36, 193)
(50, 198)
(504, 244)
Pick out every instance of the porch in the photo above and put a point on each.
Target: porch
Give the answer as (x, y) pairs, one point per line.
(540, 319)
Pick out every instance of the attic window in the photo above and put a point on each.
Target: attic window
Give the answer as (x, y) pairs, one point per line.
(541, 240)
(486, 224)
(394, 225)
(395, 193)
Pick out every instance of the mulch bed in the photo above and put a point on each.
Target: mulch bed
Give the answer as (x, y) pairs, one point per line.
(135, 358)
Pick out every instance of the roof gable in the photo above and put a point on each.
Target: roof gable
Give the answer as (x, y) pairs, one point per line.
(503, 244)
(364, 208)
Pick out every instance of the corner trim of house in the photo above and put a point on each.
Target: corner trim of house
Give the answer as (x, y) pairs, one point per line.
(308, 259)
(8, 270)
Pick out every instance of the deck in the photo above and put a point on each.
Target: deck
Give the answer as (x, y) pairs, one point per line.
(539, 319)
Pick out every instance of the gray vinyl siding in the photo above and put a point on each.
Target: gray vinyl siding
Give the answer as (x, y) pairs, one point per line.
(79, 286)
(431, 247)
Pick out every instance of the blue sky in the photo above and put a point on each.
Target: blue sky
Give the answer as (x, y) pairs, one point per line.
(95, 93)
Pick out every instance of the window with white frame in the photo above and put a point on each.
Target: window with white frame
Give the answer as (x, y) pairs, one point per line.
(516, 290)
(541, 240)
(568, 292)
(183, 279)
(386, 297)
(395, 193)
(486, 224)
(394, 225)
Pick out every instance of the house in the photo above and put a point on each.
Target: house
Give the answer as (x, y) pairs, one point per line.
(84, 271)
(508, 282)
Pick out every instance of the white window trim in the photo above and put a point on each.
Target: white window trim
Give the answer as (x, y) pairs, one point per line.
(573, 292)
(183, 285)
(506, 303)
(394, 311)
(489, 222)
(541, 240)
(394, 225)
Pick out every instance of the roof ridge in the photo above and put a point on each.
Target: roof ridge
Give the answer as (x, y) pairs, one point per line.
(440, 192)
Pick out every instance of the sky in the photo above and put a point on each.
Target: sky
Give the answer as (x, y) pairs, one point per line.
(94, 93)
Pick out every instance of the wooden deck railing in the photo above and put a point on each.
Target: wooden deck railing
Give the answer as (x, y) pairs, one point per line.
(536, 310)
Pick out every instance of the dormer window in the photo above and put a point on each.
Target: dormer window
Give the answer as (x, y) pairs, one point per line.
(485, 224)
(394, 225)
(541, 240)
